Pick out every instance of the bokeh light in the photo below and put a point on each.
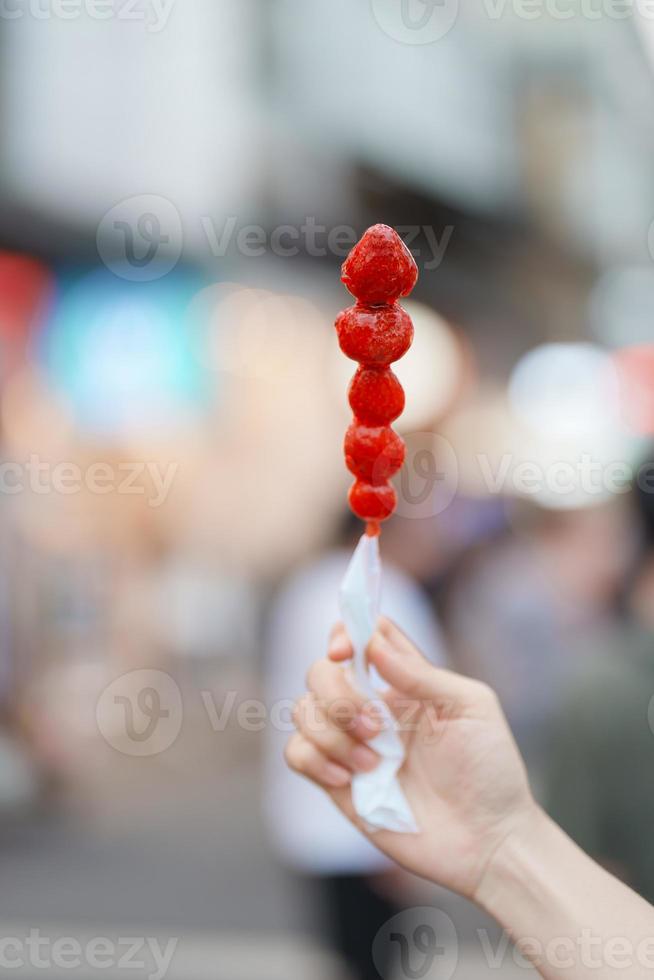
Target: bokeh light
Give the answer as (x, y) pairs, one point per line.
(123, 353)
(566, 390)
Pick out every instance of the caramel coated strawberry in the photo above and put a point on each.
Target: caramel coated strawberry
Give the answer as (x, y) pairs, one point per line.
(376, 331)
(373, 454)
(374, 334)
(380, 267)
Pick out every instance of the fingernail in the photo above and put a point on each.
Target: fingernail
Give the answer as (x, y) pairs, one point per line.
(364, 759)
(339, 646)
(336, 775)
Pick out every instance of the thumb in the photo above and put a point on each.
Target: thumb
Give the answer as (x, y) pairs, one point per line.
(411, 674)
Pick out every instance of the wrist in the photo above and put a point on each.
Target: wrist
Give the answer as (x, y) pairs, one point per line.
(516, 872)
(552, 898)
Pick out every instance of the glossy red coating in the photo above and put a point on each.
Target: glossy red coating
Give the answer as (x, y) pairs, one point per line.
(376, 396)
(372, 503)
(374, 334)
(373, 454)
(376, 331)
(380, 267)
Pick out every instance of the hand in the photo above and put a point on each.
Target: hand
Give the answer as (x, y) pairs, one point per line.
(463, 774)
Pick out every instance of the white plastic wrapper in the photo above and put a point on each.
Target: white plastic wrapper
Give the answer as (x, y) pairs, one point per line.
(377, 796)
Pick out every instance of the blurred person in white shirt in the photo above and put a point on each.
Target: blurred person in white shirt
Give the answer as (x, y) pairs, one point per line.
(309, 834)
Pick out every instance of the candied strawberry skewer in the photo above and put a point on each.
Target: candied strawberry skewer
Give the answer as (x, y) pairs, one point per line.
(376, 331)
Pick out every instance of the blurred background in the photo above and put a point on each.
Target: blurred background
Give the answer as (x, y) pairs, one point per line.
(180, 182)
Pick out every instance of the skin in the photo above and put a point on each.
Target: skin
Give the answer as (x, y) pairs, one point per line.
(482, 834)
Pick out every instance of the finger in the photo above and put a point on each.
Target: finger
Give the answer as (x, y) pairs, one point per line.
(304, 758)
(329, 683)
(340, 647)
(395, 636)
(345, 706)
(403, 667)
(312, 722)
(342, 797)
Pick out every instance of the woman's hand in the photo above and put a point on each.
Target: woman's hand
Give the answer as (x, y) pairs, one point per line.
(481, 832)
(463, 774)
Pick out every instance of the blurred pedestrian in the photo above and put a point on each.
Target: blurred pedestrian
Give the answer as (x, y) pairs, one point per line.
(353, 881)
(600, 785)
(542, 600)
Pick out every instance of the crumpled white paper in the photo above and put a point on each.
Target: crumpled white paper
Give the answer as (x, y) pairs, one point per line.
(377, 796)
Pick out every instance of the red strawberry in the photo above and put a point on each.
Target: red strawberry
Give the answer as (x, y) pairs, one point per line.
(372, 503)
(380, 267)
(374, 334)
(376, 396)
(373, 454)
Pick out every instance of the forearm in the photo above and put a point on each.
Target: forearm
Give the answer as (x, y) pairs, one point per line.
(565, 913)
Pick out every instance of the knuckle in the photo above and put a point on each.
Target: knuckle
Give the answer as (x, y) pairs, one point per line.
(385, 630)
(412, 687)
(388, 628)
(336, 631)
(315, 675)
(342, 713)
(418, 681)
(340, 742)
(308, 703)
(485, 693)
(297, 712)
(292, 754)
